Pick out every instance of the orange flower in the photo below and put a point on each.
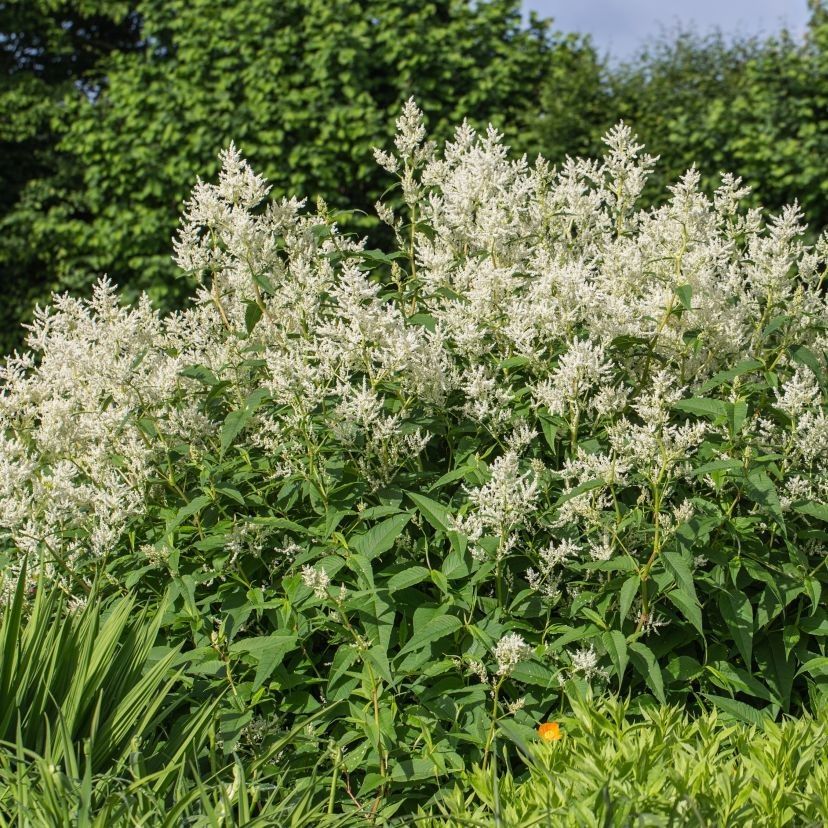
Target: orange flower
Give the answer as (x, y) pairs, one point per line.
(550, 731)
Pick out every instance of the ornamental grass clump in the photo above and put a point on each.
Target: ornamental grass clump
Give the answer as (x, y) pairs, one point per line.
(542, 415)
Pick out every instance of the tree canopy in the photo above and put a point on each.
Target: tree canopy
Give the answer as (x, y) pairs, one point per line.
(306, 88)
(109, 108)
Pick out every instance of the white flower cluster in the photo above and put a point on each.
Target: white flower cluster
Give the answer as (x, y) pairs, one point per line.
(78, 412)
(521, 286)
(585, 662)
(503, 504)
(509, 651)
(316, 579)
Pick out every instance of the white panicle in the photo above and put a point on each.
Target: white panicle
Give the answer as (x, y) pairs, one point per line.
(509, 652)
(316, 579)
(519, 299)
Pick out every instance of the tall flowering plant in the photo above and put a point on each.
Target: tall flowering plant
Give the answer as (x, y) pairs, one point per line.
(547, 437)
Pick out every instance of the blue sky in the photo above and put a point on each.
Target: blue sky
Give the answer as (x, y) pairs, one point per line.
(620, 26)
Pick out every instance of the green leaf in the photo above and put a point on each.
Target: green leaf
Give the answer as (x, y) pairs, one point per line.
(616, 646)
(629, 589)
(791, 636)
(371, 513)
(817, 510)
(817, 624)
(204, 375)
(377, 255)
(532, 672)
(440, 581)
(702, 407)
(716, 465)
(685, 296)
(805, 356)
(520, 735)
(683, 669)
(450, 477)
(195, 505)
(745, 367)
(407, 578)
(455, 566)
(760, 489)
(231, 492)
(433, 630)
(380, 538)
(591, 615)
(647, 666)
(736, 414)
(679, 567)
(147, 425)
(257, 645)
(263, 281)
(343, 659)
(379, 660)
(378, 618)
(684, 596)
(268, 650)
(231, 726)
(775, 324)
(817, 666)
(571, 634)
(813, 589)
(424, 320)
(411, 770)
(688, 606)
(550, 431)
(252, 314)
(738, 615)
(435, 513)
(361, 565)
(235, 421)
(775, 668)
(735, 679)
(586, 486)
(738, 710)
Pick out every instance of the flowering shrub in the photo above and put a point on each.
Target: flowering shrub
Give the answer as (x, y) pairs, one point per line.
(548, 438)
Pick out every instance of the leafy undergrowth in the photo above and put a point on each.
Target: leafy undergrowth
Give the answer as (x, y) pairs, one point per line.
(661, 767)
(605, 763)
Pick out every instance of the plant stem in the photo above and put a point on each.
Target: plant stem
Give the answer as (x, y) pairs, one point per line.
(334, 780)
(491, 736)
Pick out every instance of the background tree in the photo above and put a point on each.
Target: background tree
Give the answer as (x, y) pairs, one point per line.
(305, 87)
(50, 51)
(758, 108)
(110, 109)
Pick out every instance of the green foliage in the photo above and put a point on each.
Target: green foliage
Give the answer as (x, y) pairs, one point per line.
(36, 792)
(754, 107)
(193, 785)
(613, 768)
(82, 677)
(360, 646)
(384, 540)
(390, 641)
(51, 51)
(305, 87)
(575, 107)
(97, 96)
(96, 727)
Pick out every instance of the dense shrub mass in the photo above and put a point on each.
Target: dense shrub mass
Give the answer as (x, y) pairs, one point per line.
(110, 108)
(546, 439)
